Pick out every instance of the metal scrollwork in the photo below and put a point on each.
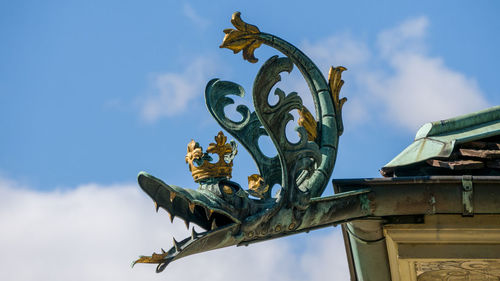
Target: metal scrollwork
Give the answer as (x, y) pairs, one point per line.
(294, 157)
(231, 215)
(247, 131)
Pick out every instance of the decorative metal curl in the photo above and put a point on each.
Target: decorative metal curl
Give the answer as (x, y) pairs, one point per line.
(247, 131)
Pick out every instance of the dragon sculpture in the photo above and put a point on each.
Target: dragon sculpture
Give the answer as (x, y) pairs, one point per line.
(234, 216)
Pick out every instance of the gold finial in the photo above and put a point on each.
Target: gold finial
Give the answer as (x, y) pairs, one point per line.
(199, 163)
(242, 38)
(307, 121)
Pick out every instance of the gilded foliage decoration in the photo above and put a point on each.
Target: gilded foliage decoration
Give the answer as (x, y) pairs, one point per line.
(306, 120)
(242, 38)
(257, 186)
(335, 82)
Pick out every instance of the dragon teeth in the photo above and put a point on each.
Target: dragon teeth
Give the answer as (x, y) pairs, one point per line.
(176, 245)
(157, 207)
(214, 225)
(172, 196)
(209, 213)
(187, 224)
(171, 217)
(191, 207)
(193, 234)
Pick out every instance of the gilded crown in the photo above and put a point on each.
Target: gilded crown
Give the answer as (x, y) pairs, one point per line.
(200, 163)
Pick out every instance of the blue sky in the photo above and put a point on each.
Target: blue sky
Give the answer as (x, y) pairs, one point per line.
(92, 92)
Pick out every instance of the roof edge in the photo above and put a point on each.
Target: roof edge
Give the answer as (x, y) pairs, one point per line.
(458, 123)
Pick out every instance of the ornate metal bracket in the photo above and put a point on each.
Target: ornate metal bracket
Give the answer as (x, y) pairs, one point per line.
(230, 214)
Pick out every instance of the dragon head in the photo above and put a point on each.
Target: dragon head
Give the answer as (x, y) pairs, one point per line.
(218, 206)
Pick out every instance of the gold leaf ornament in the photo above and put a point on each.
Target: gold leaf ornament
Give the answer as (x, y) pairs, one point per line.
(200, 163)
(257, 186)
(193, 151)
(242, 38)
(335, 82)
(306, 120)
(154, 258)
(220, 146)
(227, 189)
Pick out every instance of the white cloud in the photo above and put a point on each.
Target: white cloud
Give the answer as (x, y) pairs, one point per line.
(397, 80)
(340, 50)
(93, 232)
(408, 37)
(173, 91)
(192, 15)
(422, 90)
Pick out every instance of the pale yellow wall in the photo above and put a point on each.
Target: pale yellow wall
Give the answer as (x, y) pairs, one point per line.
(445, 247)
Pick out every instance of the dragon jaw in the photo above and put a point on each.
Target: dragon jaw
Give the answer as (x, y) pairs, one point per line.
(218, 214)
(262, 220)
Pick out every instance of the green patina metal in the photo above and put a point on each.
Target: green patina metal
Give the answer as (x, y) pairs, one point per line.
(302, 169)
(438, 139)
(232, 215)
(365, 204)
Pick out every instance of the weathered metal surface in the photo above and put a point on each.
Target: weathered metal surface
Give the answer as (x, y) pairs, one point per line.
(232, 215)
(247, 131)
(425, 195)
(437, 140)
(474, 158)
(408, 200)
(368, 245)
(226, 211)
(236, 226)
(467, 196)
(463, 122)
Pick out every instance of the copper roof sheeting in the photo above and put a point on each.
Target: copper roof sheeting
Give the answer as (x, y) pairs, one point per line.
(468, 144)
